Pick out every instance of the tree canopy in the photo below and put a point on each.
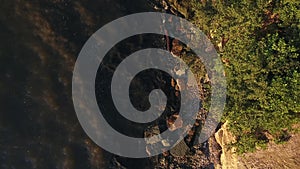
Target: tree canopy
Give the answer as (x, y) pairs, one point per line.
(258, 41)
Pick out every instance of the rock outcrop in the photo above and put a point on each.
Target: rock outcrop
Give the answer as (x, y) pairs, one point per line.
(274, 156)
(229, 158)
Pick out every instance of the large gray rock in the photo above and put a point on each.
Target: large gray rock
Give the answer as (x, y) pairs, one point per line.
(180, 149)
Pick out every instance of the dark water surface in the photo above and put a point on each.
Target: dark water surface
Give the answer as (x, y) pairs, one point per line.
(40, 41)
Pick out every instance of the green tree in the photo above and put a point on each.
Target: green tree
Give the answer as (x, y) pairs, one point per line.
(259, 44)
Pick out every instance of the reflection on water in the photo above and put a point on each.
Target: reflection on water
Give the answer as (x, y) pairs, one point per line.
(39, 44)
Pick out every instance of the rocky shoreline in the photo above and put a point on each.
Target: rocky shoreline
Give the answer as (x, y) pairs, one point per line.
(207, 154)
(188, 153)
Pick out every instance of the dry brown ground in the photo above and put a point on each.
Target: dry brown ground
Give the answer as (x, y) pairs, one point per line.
(285, 155)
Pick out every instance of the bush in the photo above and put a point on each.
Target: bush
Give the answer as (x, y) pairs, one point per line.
(259, 44)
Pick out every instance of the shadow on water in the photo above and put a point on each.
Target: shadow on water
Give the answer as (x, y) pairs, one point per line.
(40, 41)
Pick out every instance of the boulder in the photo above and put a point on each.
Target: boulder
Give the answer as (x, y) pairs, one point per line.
(180, 149)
